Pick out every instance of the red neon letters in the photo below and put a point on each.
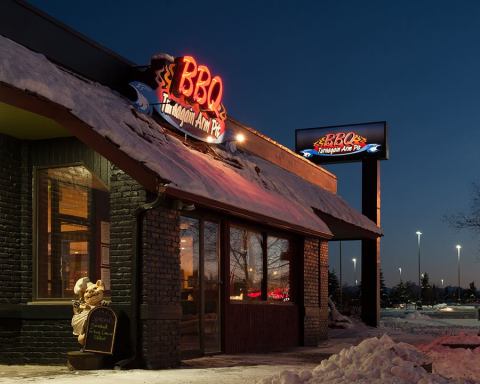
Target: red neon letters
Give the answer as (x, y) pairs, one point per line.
(339, 139)
(196, 84)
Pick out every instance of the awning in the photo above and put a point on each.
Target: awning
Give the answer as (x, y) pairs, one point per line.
(240, 182)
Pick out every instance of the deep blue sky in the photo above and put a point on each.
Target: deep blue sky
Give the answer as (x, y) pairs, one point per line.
(298, 64)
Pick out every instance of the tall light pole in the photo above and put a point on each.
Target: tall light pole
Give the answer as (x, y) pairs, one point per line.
(419, 273)
(442, 282)
(354, 260)
(400, 271)
(458, 267)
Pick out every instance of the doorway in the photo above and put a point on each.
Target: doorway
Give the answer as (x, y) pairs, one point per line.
(200, 286)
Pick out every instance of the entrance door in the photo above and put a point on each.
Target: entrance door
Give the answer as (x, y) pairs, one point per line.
(200, 288)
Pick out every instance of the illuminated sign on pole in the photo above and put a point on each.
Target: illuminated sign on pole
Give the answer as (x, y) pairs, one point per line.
(185, 94)
(343, 143)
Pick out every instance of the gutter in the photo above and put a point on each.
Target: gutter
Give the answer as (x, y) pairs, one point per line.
(135, 361)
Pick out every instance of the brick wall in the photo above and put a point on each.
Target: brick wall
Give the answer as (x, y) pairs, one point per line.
(26, 222)
(42, 334)
(15, 282)
(310, 291)
(323, 289)
(315, 290)
(160, 266)
(32, 341)
(125, 196)
(161, 288)
(10, 206)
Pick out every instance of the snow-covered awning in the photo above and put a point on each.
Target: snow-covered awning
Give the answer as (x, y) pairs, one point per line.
(241, 183)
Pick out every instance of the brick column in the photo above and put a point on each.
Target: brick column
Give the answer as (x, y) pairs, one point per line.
(10, 219)
(323, 256)
(311, 321)
(160, 309)
(126, 195)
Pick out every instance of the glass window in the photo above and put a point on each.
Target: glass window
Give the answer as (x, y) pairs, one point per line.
(72, 230)
(246, 265)
(211, 328)
(259, 272)
(200, 285)
(190, 284)
(278, 266)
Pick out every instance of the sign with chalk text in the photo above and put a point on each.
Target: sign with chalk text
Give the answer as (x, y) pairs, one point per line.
(343, 143)
(100, 330)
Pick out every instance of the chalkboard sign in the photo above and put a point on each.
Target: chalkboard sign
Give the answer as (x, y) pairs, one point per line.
(100, 330)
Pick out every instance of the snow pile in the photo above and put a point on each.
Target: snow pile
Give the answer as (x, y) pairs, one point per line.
(459, 363)
(373, 361)
(417, 316)
(335, 318)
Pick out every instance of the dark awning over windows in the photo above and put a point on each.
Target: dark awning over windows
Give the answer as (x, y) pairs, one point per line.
(238, 182)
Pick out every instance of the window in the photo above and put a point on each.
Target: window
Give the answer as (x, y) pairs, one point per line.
(246, 264)
(73, 230)
(259, 266)
(200, 285)
(278, 266)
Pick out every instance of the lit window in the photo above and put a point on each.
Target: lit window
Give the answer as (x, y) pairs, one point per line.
(278, 266)
(246, 265)
(73, 230)
(259, 266)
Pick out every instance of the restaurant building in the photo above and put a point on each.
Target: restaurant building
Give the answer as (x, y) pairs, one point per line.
(204, 245)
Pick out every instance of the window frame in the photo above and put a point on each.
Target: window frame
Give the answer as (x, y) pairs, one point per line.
(35, 238)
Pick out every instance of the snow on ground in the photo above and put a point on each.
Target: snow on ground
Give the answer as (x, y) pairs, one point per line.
(455, 362)
(386, 359)
(383, 361)
(424, 323)
(373, 361)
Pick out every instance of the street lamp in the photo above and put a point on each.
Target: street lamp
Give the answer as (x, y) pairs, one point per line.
(458, 267)
(400, 270)
(442, 282)
(419, 278)
(354, 260)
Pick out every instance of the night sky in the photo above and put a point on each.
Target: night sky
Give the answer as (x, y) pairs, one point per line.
(299, 64)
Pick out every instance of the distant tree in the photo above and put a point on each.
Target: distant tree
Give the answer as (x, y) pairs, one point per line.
(384, 297)
(398, 294)
(471, 220)
(333, 286)
(412, 291)
(435, 294)
(470, 295)
(427, 293)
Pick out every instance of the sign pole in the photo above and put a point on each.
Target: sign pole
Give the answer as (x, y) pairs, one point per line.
(371, 247)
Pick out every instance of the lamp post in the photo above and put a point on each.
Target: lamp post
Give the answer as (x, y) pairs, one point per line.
(400, 271)
(442, 282)
(458, 267)
(354, 260)
(419, 274)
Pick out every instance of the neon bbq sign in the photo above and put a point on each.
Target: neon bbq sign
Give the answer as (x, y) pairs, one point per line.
(185, 94)
(355, 142)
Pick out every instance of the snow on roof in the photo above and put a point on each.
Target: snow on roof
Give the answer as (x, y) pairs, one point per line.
(240, 180)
